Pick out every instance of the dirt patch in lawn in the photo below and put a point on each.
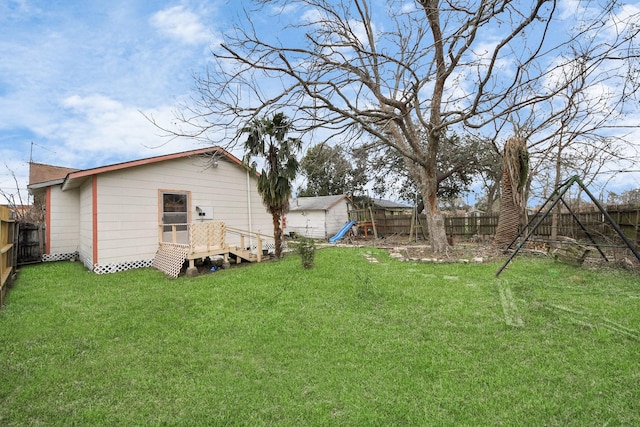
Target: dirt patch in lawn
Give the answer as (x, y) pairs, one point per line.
(421, 250)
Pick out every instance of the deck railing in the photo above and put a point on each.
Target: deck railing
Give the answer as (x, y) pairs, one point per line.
(176, 234)
(213, 236)
(251, 240)
(196, 235)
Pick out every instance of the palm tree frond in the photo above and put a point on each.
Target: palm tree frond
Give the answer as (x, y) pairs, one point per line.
(266, 138)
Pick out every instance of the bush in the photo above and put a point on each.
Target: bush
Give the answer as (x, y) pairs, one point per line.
(307, 250)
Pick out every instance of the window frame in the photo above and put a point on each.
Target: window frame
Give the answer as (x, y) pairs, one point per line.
(161, 207)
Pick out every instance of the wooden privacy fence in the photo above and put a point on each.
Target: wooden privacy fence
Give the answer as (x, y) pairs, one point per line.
(485, 225)
(7, 252)
(401, 224)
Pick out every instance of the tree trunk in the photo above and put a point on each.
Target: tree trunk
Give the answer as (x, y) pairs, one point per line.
(426, 178)
(509, 217)
(428, 185)
(435, 225)
(514, 179)
(277, 235)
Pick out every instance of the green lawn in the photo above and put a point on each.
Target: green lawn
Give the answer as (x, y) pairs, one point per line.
(348, 343)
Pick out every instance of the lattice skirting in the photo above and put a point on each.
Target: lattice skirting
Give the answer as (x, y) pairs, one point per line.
(59, 257)
(170, 258)
(121, 266)
(99, 268)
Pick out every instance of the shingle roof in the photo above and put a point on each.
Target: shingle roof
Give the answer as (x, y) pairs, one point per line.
(39, 172)
(322, 203)
(43, 175)
(388, 204)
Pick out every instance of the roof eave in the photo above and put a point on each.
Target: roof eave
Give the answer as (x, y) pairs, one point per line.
(344, 196)
(75, 179)
(45, 184)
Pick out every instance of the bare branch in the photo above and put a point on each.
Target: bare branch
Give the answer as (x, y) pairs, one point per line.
(343, 70)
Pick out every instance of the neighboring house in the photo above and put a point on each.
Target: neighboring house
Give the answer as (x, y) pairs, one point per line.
(317, 217)
(475, 212)
(387, 207)
(111, 216)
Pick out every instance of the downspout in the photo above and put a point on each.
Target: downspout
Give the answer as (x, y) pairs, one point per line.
(94, 217)
(47, 221)
(326, 232)
(250, 215)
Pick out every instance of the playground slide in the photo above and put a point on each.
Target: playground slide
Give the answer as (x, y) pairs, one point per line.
(340, 234)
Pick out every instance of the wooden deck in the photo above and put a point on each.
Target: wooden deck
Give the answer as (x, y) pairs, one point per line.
(209, 238)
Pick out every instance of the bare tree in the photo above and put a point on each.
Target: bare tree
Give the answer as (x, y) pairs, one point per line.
(346, 68)
(23, 208)
(490, 177)
(580, 134)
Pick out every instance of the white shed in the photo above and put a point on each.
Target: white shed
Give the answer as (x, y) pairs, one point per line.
(113, 217)
(317, 217)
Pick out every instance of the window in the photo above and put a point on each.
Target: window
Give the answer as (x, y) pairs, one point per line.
(175, 210)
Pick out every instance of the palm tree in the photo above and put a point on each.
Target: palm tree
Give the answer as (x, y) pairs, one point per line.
(267, 139)
(514, 178)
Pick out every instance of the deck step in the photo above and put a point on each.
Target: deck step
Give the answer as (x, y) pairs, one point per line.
(245, 254)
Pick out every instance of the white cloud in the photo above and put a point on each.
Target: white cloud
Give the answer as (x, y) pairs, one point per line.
(312, 16)
(360, 31)
(105, 130)
(75, 77)
(15, 8)
(283, 9)
(570, 8)
(181, 24)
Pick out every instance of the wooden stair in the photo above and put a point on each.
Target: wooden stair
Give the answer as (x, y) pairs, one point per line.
(199, 240)
(244, 254)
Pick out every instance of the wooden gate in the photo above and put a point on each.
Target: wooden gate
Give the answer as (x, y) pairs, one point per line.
(30, 243)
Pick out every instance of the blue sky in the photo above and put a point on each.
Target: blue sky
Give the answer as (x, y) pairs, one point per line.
(76, 75)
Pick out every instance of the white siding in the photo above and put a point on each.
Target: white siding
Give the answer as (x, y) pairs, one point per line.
(64, 213)
(318, 224)
(128, 203)
(307, 223)
(86, 223)
(336, 218)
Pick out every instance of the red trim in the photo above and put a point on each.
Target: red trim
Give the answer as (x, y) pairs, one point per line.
(94, 211)
(47, 221)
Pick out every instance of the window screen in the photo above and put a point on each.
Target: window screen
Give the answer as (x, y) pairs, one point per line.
(175, 209)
